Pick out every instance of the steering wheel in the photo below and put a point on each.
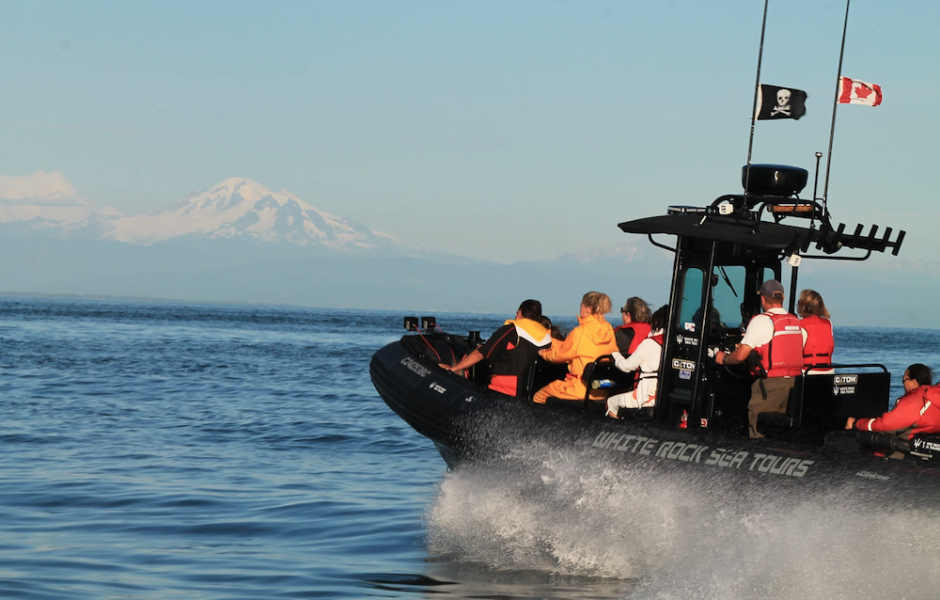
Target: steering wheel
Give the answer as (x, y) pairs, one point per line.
(737, 371)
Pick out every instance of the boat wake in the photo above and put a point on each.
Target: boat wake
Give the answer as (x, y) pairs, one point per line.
(680, 535)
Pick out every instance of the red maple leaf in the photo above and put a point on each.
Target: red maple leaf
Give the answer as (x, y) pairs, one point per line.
(862, 92)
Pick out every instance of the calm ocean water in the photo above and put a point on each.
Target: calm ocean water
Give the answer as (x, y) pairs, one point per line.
(184, 451)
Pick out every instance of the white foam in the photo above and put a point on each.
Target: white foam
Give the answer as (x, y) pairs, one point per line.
(682, 534)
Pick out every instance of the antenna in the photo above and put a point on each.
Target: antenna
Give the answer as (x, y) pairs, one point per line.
(812, 222)
(835, 104)
(750, 143)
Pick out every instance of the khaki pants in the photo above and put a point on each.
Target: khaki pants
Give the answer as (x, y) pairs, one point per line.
(778, 392)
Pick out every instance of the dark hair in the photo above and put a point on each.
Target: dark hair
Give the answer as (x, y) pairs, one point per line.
(531, 309)
(920, 373)
(553, 330)
(658, 320)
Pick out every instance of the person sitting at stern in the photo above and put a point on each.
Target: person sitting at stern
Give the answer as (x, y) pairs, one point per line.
(918, 411)
(592, 338)
(512, 348)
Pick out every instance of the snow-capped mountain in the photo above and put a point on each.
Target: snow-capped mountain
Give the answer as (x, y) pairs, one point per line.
(242, 208)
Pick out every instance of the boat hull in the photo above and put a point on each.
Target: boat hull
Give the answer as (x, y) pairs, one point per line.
(468, 423)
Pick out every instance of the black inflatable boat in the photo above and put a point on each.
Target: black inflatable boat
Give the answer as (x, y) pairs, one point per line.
(722, 254)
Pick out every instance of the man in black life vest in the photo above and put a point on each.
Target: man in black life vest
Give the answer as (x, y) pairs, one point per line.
(511, 350)
(777, 337)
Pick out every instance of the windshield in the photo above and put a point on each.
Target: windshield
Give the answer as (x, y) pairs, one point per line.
(691, 300)
(728, 295)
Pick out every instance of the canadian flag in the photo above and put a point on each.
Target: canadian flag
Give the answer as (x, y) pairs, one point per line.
(859, 92)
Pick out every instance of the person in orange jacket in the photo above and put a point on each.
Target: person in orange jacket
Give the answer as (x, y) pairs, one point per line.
(592, 338)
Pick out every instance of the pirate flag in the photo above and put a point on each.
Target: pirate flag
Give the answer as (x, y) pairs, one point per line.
(774, 102)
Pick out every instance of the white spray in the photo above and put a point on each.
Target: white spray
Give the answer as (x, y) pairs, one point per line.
(681, 535)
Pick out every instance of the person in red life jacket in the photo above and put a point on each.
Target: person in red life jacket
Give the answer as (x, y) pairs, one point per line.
(819, 344)
(635, 315)
(918, 411)
(512, 348)
(592, 338)
(645, 361)
(777, 337)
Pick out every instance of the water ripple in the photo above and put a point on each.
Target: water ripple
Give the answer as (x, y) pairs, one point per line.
(161, 451)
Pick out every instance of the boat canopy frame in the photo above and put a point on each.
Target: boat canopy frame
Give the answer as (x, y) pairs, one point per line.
(730, 233)
(710, 223)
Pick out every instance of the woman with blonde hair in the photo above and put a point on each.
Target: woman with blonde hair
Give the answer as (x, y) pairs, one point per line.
(592, 338)
(819, 343)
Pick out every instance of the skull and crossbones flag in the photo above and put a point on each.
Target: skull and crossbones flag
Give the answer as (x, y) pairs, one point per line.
(859, 92)
(775, 102)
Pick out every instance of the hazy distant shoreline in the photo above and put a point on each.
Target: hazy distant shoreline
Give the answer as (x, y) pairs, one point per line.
(612, 317)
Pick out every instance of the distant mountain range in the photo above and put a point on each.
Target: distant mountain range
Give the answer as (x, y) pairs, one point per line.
(237, 208)
(240, 242)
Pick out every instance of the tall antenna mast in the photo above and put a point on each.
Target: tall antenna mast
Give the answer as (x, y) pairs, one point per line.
(750, 144)
(835, 105)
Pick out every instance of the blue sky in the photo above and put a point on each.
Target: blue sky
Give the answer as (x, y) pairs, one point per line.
(499, 130)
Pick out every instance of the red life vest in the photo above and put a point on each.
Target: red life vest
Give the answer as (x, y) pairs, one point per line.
(782, 356)
(640, 332)
(819, 342)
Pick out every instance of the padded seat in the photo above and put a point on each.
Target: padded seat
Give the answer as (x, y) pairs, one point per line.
(604, 371)
(601, 370)
(540, 373)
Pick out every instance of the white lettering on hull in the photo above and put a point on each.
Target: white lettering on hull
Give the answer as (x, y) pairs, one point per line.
(696, 453)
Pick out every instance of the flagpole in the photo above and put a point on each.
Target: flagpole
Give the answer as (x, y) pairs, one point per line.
(750, 143)
(835, 105)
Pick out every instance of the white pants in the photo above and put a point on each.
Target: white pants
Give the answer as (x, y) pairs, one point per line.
(627, 400)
